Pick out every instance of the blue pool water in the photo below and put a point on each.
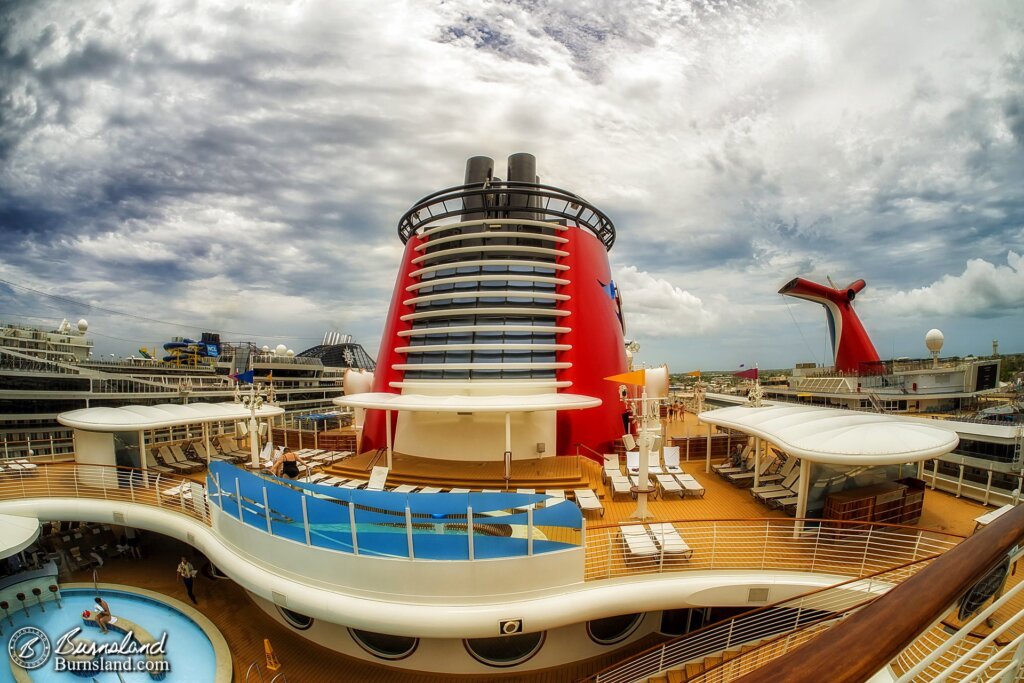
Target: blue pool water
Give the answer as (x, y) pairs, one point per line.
(188, 650)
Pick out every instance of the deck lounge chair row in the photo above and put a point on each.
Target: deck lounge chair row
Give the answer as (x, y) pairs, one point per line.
(670, 479)
(653, 542)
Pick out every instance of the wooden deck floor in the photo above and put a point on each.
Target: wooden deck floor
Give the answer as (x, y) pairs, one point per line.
(244, 626)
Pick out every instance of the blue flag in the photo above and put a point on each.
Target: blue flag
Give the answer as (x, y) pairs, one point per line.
(246, 377)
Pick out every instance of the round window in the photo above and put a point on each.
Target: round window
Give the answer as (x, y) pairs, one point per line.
(297, 621)
(612, 629)
(383, 645)
(505, 650)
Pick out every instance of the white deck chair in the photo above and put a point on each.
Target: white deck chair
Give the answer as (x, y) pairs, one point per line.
(611, 465)
(620, 486)
(404, 488)
(747, 478)
(786, 484)
(354, 484)
(378, 478)
(633, 462)
(670, 542)
(637, 544)
(727, 466)
(668, 485)
(654, 464)
(555, 496)
(691, 486)
(317, 478)
(671, 456)
(461, 490)
(767, 497)
(333, 481)
(430, 489)
(588, 501)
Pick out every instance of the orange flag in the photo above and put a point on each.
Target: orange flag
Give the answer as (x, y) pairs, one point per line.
(636, 377)
(695, 373)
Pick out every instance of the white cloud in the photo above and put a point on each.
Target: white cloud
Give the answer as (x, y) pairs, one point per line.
(654, 307)
(983, 290)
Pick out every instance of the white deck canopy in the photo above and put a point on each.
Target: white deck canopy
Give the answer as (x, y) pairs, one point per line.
(17, 533)
(464, 403)
(137, 418)
(835, 437)
(469, 404)
(838, 437)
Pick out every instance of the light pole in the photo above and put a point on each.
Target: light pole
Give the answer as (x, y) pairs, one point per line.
(649, 417)
(253, 401)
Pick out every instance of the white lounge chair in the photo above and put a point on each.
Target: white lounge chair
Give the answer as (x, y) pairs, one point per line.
(727, 467)
(354, 484)
(404, 488)
(633, 462)
(378, 478)
(671, 456)
(747, 478)
(670, 543)
(555, 496)
(611, 465)
(430, 489)
(691, 486)
(668, 485)
(461, 490)
(588, 501)
(654, 464)
(620, 486)
(637, 544)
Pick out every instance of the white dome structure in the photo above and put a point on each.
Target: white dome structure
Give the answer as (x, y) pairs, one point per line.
(83, 325)
(290, 353)
(933, 340)
(280, 349)
(266, 349)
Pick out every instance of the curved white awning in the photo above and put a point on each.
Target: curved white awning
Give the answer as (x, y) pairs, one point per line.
(461, 403)
(840, 437)
(135, 418)
(17, 533)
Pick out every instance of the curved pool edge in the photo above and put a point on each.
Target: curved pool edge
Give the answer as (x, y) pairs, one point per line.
(223, 666)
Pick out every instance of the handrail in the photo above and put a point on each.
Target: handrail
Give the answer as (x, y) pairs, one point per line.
(666, 651)
(900, 615)
(599, 455)
(792, 520)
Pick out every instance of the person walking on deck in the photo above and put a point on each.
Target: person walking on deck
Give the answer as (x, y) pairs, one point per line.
(187, 573)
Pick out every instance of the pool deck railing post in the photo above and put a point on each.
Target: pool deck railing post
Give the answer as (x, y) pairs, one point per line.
(352, 526)
(469, 531)
(408, 531)
(305, 519)
(266, 511)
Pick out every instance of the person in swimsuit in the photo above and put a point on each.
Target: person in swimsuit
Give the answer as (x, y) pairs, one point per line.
(103, 614)
(287, 464)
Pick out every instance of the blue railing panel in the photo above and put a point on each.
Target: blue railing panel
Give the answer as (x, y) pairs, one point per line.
(438, 528)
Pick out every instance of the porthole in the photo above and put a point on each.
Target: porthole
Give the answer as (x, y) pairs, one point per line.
(300, 622)
(383, 645)
(504, 651)
(612, 630)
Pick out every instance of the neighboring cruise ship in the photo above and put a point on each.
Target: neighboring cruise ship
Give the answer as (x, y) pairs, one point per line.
(516, 508)
(47, 372)
(986, 464)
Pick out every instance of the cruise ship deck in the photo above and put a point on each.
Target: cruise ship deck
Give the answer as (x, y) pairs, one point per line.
(726, 528)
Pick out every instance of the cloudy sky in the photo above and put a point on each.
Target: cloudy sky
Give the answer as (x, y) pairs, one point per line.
(242, 169)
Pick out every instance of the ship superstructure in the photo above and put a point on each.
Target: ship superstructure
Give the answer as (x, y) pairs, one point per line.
(46, 372)
(504, 290)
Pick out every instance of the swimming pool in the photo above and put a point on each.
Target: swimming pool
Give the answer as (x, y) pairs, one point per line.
(189, 652)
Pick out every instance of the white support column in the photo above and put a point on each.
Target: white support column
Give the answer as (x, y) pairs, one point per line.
(508, 432)
(707, 463)
(645, 436)
(801, 500)
(387, 428)
(757, 461)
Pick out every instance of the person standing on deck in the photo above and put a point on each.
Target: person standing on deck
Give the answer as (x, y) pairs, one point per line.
(187, 573)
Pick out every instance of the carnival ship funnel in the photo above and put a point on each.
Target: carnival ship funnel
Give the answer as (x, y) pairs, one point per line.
(503, 323)
(852, 349)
